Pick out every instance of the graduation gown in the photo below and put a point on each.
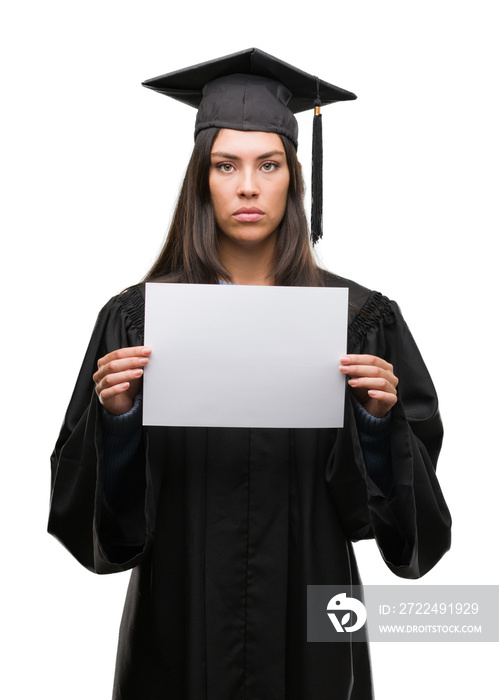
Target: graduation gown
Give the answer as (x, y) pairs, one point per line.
(225, 528)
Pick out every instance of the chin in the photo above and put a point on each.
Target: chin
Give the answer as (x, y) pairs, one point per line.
(248, 236)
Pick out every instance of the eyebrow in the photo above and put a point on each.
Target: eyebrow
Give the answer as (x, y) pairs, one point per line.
(230, 156)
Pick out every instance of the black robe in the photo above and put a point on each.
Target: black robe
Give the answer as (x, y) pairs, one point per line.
(225, 528)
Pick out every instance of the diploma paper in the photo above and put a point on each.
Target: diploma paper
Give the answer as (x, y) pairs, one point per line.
(244, 356)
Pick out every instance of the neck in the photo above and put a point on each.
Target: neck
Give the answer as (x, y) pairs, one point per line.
(248, 263)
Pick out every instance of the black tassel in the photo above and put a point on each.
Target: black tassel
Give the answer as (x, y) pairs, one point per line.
(316, 216)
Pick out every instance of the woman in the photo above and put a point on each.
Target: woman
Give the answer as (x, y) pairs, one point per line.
(225, 528)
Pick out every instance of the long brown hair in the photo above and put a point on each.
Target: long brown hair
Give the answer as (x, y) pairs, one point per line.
(190, 253)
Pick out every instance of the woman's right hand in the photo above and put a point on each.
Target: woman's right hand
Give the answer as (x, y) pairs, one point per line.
(118, 378)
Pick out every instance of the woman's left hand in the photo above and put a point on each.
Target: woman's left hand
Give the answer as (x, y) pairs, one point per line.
(372, 381)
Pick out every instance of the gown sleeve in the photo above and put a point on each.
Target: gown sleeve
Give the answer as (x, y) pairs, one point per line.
(103, 536)
(412, 523)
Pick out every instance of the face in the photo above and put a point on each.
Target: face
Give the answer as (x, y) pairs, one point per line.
(249, 179)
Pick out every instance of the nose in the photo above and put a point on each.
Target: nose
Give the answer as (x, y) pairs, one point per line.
(248, 185)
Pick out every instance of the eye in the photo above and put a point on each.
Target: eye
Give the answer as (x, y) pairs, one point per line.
(269, 166)
(225, 167)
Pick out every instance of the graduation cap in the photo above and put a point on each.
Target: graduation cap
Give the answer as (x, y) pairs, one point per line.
(254, 91)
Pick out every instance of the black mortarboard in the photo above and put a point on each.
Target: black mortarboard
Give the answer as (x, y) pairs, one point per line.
(254, 91)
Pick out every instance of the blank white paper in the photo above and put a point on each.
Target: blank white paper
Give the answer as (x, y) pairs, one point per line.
(244, 356)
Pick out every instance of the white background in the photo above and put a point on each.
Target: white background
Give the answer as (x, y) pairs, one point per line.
(90, 168)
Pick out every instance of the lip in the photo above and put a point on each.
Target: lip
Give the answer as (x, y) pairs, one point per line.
(248, 214)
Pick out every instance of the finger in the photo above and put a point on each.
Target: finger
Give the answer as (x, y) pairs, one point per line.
(367, 370)
(375, 384)
(121, 360)
(363, 359)
(374, 360)
(375, 371)
(119, 366)
(107, 394)
(385, 399)
(123, 353)
(111, 380)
